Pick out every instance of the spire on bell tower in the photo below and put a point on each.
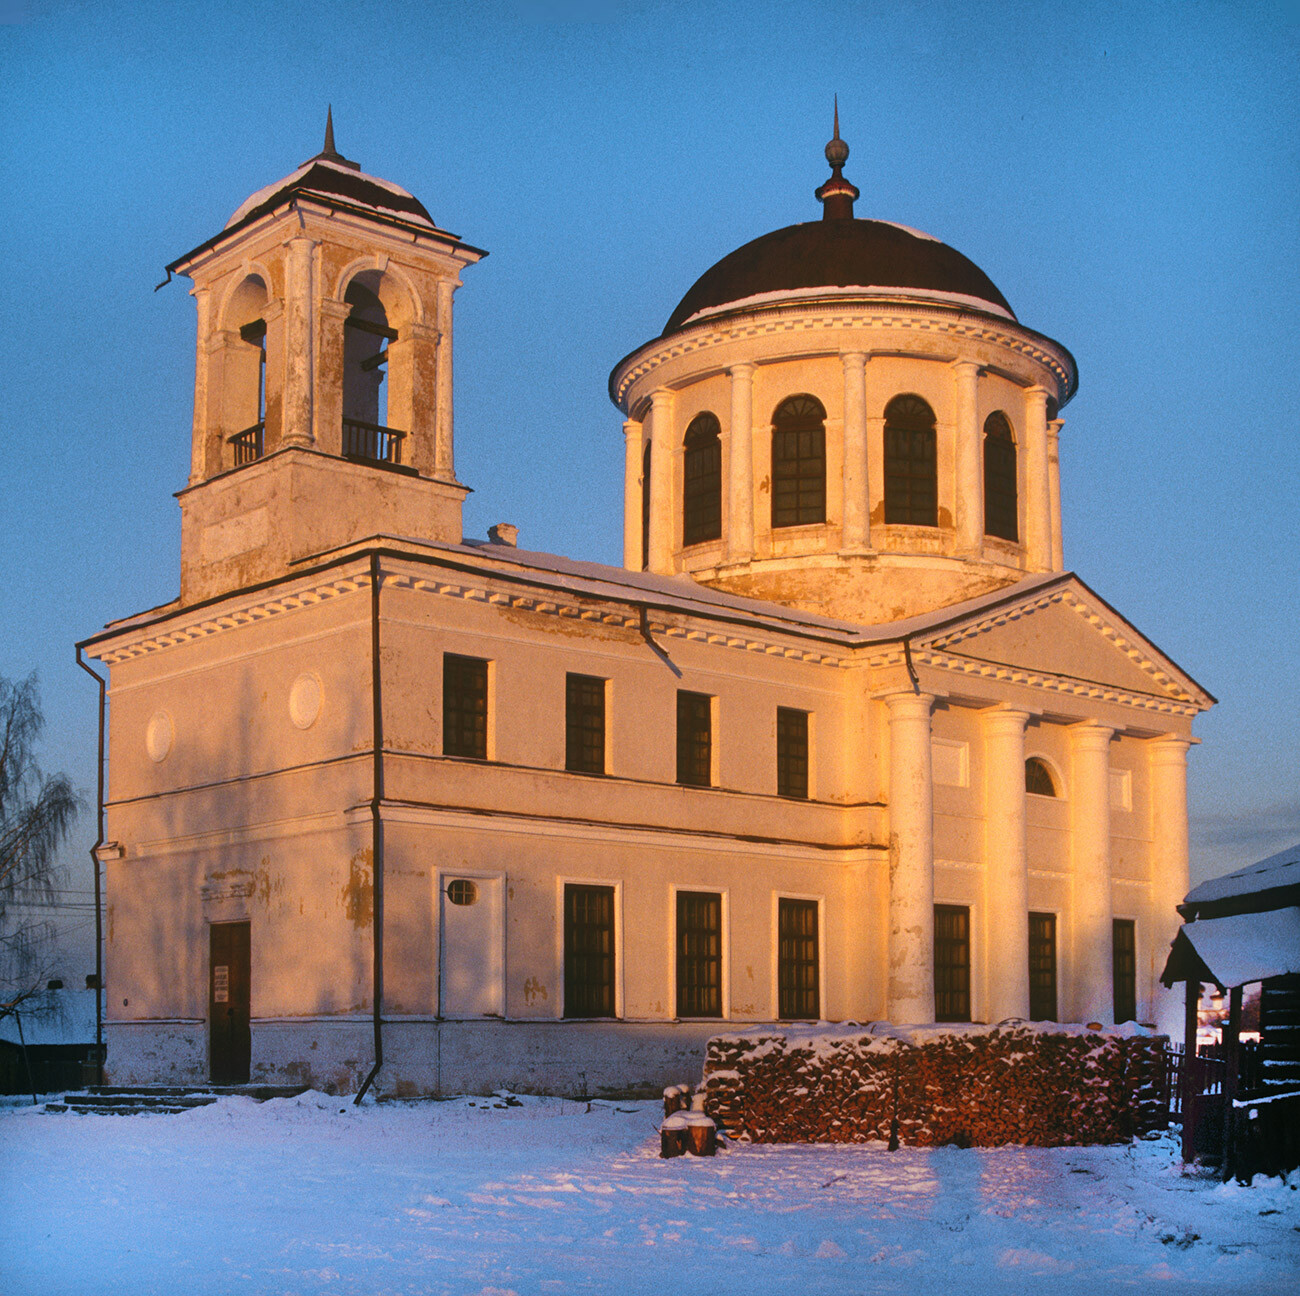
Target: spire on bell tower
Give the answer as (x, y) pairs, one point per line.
(837, 195)
(329, 153)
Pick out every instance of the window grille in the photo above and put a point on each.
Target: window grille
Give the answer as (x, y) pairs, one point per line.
(1124, 969)
(1000, 507)
(702, 481)
(695, 739)
(699, 954)
(1042, 967)
(588, 951)
(911, 472)
(799, 462)
(464, 706)
(791, 753)
(1038, 778)
(798, 989)
(951, 963)
(584, 724)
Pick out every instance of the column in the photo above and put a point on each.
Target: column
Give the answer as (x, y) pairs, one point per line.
(328, 409)
(911, 859)
(299, 320)
(969, 459)
(444, 457)
(740, 537)
(1054, 491)
(633, 449)
(202, 415)
(856, 537)
(1090, 860)
(413, 394)
(1006, 862)
(1170, 881)
(663, 459)
(1038, 532)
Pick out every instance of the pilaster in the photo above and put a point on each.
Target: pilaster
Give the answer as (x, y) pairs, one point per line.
(968, 458)
(1170, 875)
(1038, 510)
(299, 313)
(1054, 489)
(856, 537)
(444, 459)
(740, 532)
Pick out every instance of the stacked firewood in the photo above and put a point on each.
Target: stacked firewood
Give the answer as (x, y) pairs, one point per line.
(970, 1086)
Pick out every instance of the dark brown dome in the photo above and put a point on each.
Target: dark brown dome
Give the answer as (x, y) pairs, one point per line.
(842, 255)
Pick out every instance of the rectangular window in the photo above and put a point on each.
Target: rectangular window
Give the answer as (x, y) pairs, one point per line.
(695, 739)
(464, 706)
(588, 951)
(951, 963)
(798, 990)
(699, 954)
(584, 724)
(1042, 967)
(791, 753)
(1124, 969)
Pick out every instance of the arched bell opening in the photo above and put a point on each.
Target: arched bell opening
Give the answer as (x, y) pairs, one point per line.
(1001, 505)
(242, 432)
(367, 335)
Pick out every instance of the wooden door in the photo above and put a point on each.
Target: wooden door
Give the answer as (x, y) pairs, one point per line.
(472, 982)
(230, 1040)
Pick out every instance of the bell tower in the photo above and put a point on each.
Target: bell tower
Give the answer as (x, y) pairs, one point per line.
(323, 376)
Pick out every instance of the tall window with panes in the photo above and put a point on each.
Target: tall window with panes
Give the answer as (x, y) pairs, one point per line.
(911, 470)
(799, 462)
(798, 987)
(464, 706)
(699, 954)
(791, 753)
(1042, 967)
(1124, 969)
(694, 739)
(584, 724)
(702, 481)
(951, 963)
(588, 951)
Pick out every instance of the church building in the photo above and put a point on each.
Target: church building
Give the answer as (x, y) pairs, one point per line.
(841, 740)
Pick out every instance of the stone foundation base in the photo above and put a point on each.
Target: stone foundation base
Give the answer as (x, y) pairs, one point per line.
(571, 1059)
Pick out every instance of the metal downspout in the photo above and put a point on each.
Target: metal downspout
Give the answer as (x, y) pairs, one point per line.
(94, 860)
(377, 830)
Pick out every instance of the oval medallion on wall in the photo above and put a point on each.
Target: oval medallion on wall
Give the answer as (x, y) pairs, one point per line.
(158, 736)
(305, 699)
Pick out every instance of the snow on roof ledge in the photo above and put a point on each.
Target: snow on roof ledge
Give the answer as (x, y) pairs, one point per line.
(1246, 947)
(1280, 870)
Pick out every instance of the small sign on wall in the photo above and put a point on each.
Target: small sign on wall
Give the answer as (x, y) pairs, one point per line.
(220, 985)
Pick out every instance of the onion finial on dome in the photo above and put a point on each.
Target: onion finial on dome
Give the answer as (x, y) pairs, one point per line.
(837, 195)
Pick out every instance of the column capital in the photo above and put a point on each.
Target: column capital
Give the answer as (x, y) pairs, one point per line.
(661, 397)
(1170, 748)
(632, 428)
(1054, 427)
(742, 370)
(1090, 735)
(966, 366)
(854, 357)
(1004, 717)
(905, 705)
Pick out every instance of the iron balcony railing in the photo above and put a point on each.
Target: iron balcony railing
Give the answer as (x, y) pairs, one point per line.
(371, 442)
(248, 444)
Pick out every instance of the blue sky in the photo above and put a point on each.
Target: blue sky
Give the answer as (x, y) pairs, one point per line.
(1126, 174)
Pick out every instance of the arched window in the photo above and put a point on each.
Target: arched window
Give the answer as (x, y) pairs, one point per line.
(911, 474)
(798, 462)
(1038, 778)
(999, 478)
(645, 506)
(366, 434)
(702, 481)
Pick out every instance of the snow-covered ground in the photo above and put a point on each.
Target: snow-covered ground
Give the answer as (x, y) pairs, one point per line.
(313, 1196)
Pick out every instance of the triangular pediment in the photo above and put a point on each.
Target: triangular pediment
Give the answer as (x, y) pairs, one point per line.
(1067, 631)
